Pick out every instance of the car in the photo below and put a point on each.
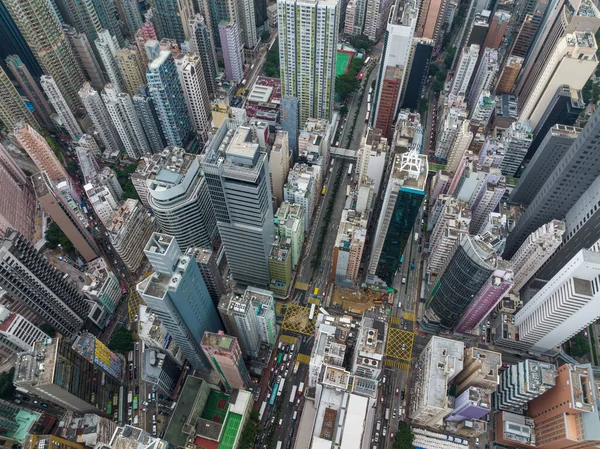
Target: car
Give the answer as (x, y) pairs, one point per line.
(403, 347)
(130, 366)
(137, 389)
(397, 391)
(382, 399)
(402, 395)
(298, 403)
(392, 436)
(377, 438)
(145, 403)
(477, 441)
(135, 318)
(81, 279)
(405, 325)
(280, 422)
(404, 280)
(394, 414)
(383, 431)
(154, 419)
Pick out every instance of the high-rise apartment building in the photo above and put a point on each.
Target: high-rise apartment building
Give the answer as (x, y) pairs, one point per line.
(225, 355)
(469, 269)
(202, 43)
(464, 72)
(130, 65)
(66, 117)
(401, 203)
(104, 193)
(524, 382)
(506, 80)
(376, 16)
(132, 16)
(481, 368)
(86, 56)
(39, 151)
(17, 199)
(289, 121)
(169, 18)
(462, 141)
(577, 170)
(250, 318)
(103, 124)
(484, 77)
(390, 94)
(168, 97)
(247, 23)
(572, 62)
(517, 140)
(29, 279)
(107, 46)
(496, 30)
(177, 294)
(86, 150)
(12, 107)
(17, 334)
(146, 113)
(432, 15)
(178, 195)
(233, 60)
(68, 378)
(309, 75)
(448, 128)
(237, 174)
(126, 122)
(289, 224)
(207, 262)
(43, 33)
(195, 91)
(486, 201)
(279, 164)
(21, 74)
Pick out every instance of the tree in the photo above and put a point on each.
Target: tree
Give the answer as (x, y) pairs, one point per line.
(449, 59)
(404, 437)
(361, 41)
(124, 178)
(437, 86)
(248, 435)
(595, 93)
(47, 329)
(355, 66)
(271, 65)
(579, 345)
(7, 387)
(72, 168)
(423, 105)
(433, 69)
(265, 36)
(346, 84)
(586, 91)
(121, 340)
(55, 236)
(344, 110)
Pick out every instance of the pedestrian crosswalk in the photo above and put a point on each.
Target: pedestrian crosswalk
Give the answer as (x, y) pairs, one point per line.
(409, 316)
(288, 339)
(397, 364)
(303, 358)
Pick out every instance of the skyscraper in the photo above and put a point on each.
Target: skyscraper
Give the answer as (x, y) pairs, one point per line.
(376, 16)
(401, 203)
(486, 201)
(169, 18)
(207, 262)
(464, 72)
(516, 143)
(238, 181)
(28, 278)
(495, 33)
(577, 170)
(203, 44)
(177, 294)
(145, 110)
(167, 95)
(67, 119)
(193, 83)
(387, 104)
(309, 75)
(42, 31)
(86, 56)
(232, 51)
(524, 381)
(432, 15)
(506, 80)
(224, 354)
(100, 118)
(40, 152)
(133, 16)
(12, 107)
(130, 64)
(108, 46)
(289, 122)
(21, 74)
(484, 76)
(247, 23)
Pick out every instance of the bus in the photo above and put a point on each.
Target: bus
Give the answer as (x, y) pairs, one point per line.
(279, 358)
(312, 312)
(262, 410)
(293, 394)
(135, 403)
(301, 389)
(274, 394)
(349, 169)
(323, 190)
(130, 356)
(369, 108)
(367, 60)
(402, 259)
(387, 414)
(280, 388)
(130, 397)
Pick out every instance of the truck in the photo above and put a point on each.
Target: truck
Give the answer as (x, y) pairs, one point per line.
(130, 397)
(280, 388)
(387, 414)
(293, 394)
(296, 366)
(416, 236)
(301, 389)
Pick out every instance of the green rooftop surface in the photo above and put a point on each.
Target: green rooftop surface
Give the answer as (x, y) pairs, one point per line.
(216, 407)
(341, 63)
(26, 420)
(232, 426)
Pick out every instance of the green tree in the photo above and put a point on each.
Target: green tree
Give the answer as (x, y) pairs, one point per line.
(248, 435)
(361, 41)
(355, 66)
(271, 65)
(121, 340)
(437, 86)
(54, 237)
(449, 59)
(124, 178)
(47, 329)
(423, 105)
(7, 387)
(595, 93)
(346, 84)
(344, 109)
(433, 69)
(404, 438)
(72, 168)
(265, 36)
(586, 91)
(579, 345)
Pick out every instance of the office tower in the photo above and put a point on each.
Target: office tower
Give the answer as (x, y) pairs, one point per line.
(572, 62)
(126, 122)
(390, 93)
(289, 121)
(104, 127)
(17, 334)
(178, 296)
(554, 200)
(496, 30)
(279, 164)
(104, 193)
(21, 74)
(481, 368)
(463, 74)
(147, 115)
(39, 151)
(232, 52)
(130, 64)
(469, 269)
(402, 200)
(553, 147)
(280, 267)
(431, 18)
(564, 109)
(59, 204)
(506, 81)
(523, 382)
(535, 251)
(17, 200)
(86, 56)
(169, 18)
(168, 97)
(418, 74)
(484, 77)
(69, 379)
(12, 107)
(452, 223)
(486, 201)
(207, 262)
(376, 16)
(564, 306)
(440, 361)
(225, 356)
(107, 46)
(309, 76)
(13, 42)
(349, 248)
(202, 43)
(527, 32)
(471, 406)
(50, 47)
(29, 279)
(193, 83)
(66, 117)
(238, 180)
(130, 229)
(487, 298)
(460, 144)
(181, 204)
(133, 16)
(161, 370)
(479, 29)
(517, 140)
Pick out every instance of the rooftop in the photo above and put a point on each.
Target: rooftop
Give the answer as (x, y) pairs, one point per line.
(164, 169)
(122, 218)
(444, 358)
(175, 432)
(410, 171)
(37, 367)
(220, 341)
